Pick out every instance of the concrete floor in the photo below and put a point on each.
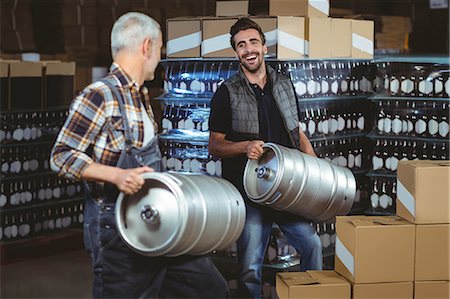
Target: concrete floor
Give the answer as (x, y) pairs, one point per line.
(66, 275)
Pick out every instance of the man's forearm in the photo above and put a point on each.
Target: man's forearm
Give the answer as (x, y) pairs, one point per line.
(227, 149)
(101, 173)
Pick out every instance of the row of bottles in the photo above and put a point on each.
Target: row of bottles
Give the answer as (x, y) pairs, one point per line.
(324, 78)
(414, 78)
(197, 78)
(383, 195)
(33, 200)
(410, 121)
(350, 152)
(183, 153)
(185, 117)
(22, 159)
(388, 152)
(31, 126)
(425, 119)
(26, 223)
(33, 190)
(312, 78)
(339, 117)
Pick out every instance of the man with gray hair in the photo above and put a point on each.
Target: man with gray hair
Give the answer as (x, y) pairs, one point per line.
(108, 140)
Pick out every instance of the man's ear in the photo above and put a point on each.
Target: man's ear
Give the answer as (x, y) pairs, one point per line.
(147, 47)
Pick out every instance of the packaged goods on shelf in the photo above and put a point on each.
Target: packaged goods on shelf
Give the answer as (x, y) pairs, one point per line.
(285, 36)
(303, 8)
(398, 290)
(423, 192)
(184, 37)
(432, 252)
(431, 289)
(216, 37)
(312, 284)
(231, 8)
(375, 249)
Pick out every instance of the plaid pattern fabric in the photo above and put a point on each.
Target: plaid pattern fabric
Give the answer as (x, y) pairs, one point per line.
(94, 130)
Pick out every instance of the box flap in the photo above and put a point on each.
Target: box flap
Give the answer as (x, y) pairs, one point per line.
(60, 68)
(297, 278)
(4, 69)
(25, 69)
(231, 8)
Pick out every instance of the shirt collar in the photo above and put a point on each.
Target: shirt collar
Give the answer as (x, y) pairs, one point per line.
(122, 76)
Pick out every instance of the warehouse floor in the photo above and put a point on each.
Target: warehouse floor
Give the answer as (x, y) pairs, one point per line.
(66, 275)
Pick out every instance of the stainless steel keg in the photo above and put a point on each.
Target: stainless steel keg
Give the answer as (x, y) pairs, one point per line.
(288, 180)
(180, 213)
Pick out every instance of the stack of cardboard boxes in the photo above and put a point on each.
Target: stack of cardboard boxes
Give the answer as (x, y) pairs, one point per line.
(403, 256)
(49, 84)
(293, 30)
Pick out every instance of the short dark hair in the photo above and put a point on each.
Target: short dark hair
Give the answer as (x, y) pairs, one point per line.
(244, 24)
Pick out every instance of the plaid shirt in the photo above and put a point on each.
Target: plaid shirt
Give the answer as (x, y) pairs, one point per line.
(94, 130)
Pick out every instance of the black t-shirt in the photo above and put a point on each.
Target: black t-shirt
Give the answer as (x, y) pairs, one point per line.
(271, 126)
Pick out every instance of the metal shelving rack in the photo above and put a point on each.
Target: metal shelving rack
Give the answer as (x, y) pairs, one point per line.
(34, 201)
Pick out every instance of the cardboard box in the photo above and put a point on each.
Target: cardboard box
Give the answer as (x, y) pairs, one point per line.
(375, 249)
(285, 36)
(423, 191)
(318, 35)
(216, 37)
(397, 290)
(311, 284)
(362, 39)
(341, 38)
(59, 84)
(184, 37)
(26, 86)
(432, 252)
(4, 85)
(431, 289)
(231, 8)
(302, 8)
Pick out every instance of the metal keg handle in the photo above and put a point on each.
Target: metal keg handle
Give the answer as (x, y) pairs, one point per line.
(149, 214)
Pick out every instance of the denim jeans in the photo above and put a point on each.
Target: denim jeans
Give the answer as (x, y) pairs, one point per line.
(252, 244)
(119, 272)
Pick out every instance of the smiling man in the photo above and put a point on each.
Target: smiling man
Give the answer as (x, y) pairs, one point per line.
(255, 106)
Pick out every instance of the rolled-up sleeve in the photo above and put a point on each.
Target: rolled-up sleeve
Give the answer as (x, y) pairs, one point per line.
(82, 129)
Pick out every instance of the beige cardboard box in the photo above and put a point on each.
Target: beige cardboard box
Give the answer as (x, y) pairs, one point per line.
(362, 39)
(285, 36)
(231, 8)
(311, 284)
(341, 38)
(318, 36)
(216, 37)
(431, 289)
(432, 252)
(375, 249)
(29, 75)
(302, 8)
(184, 37)
(423, 191)
(59, 84)
(397, 290)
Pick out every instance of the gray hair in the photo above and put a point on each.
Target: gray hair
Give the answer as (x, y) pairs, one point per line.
(130, 31)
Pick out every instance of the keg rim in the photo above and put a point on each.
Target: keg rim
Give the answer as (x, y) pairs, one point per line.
(172, 184)
(276, 182)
